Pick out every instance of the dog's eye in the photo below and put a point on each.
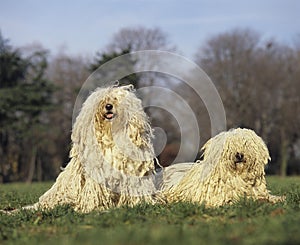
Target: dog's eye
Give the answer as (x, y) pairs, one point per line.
(239, 157)
(109, 107)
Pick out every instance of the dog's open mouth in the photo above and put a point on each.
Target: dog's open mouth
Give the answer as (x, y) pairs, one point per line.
(109, 115)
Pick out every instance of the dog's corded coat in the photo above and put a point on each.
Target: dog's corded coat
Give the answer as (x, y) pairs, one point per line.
(232, 167)
(111, 157)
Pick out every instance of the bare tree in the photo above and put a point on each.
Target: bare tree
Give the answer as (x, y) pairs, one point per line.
(68, 73)
(139, 38)
(226, 58)
(257, 82)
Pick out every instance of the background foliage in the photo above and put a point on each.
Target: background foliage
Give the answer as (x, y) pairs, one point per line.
(258, 80)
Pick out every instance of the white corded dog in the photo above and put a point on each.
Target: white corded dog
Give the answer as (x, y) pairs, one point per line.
(111, 157)
(232, 167)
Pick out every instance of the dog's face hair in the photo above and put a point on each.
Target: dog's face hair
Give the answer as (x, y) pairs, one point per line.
(248, 152)
(112, 100)
(120, 111)
(123, 131)
(243, 151)
(114, 115)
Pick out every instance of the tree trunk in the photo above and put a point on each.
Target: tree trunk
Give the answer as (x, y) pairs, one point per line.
(284, 155)
(31, 164)
(39, 169)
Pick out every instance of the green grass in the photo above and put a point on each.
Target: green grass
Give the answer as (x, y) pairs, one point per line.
(246, 222)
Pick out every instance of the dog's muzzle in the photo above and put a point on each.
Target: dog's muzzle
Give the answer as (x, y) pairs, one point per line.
(239, 158)
(109, 113)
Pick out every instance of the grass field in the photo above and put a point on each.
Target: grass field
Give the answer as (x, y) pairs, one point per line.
(246, 222)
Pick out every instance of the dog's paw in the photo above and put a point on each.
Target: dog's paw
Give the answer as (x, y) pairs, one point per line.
(275, 199)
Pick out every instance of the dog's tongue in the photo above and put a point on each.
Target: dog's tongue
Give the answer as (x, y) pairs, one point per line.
(109, 115)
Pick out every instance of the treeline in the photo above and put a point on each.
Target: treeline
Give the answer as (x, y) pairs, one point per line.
(259, 82)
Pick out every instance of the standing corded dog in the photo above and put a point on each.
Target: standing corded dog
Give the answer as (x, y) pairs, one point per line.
(111, 157)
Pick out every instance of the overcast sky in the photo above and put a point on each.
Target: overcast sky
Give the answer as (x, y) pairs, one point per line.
(86, 26)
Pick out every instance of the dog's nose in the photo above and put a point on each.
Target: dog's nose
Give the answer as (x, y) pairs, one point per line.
(109, 107)
(239, 157)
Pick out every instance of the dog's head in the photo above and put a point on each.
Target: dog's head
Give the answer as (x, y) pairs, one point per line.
(122, 112)
(121, 124)
(113, 102)
(112, 129)
(113, 111)
(240, 151)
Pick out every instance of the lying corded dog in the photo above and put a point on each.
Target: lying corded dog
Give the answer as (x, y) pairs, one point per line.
(232, 167)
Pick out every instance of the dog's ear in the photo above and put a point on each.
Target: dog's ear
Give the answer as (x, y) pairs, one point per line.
(129, 87)
(116, 83)
(201, 154)
(203, 150)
